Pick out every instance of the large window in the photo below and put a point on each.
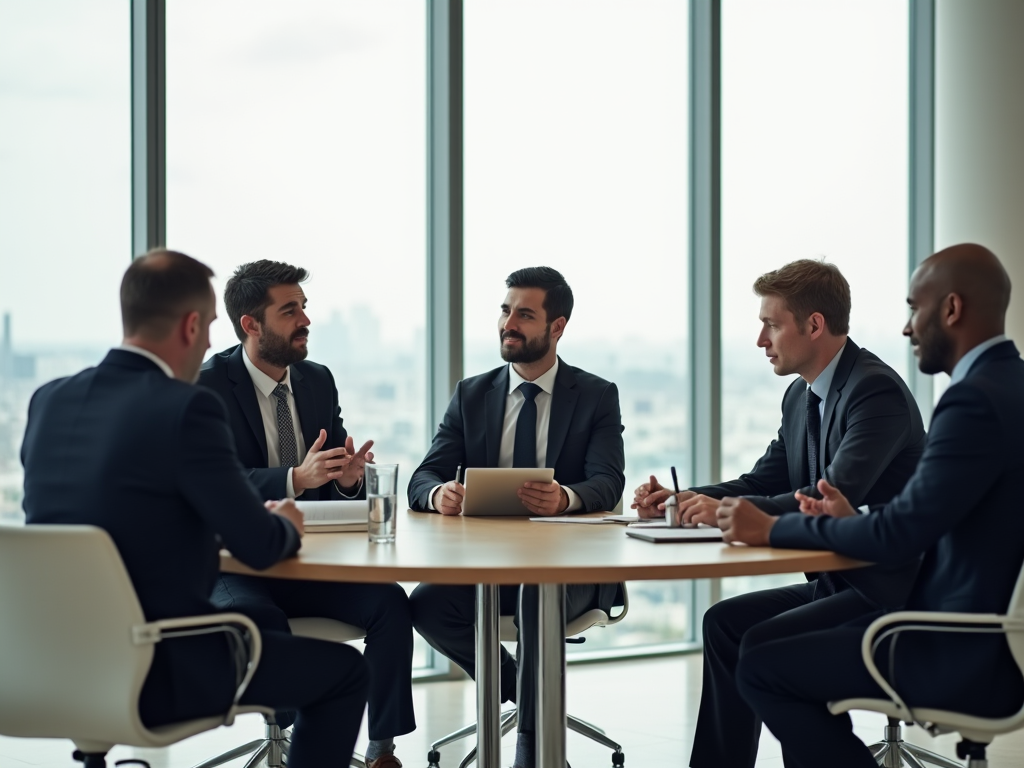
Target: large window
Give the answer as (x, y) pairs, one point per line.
(576, 158)
(295, 132)
(814, 165)
(65, 201)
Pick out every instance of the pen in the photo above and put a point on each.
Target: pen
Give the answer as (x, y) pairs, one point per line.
(458, 473)
(675, 480)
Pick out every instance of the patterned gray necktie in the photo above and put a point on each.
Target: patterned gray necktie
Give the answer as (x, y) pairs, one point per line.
(288, 451)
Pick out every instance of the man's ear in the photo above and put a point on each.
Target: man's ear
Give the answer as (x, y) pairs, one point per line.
(816, 324)
(250, 325)
(952, 309)
(190, 328)
(558, 328)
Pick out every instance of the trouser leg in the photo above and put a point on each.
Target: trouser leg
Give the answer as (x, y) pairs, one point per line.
(326, 683)
(788, 682)
(579, 598)
(727, 731)
(383, 610)
(446, 617)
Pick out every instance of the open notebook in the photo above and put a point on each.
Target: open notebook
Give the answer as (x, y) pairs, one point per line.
(334, 516)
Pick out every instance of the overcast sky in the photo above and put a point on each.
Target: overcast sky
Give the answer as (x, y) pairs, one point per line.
(297, 131)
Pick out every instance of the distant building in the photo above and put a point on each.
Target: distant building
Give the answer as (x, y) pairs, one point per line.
(14, 366)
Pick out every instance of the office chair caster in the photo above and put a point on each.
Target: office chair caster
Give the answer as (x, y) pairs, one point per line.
(618, 758)
(973, 752)
(433, 759)
(90, 759)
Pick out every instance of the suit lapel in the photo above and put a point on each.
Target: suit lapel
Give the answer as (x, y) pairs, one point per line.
(245, 393)
(835, 395)
(494, 415)
(794, 433)
(563, 404)
(305, 408)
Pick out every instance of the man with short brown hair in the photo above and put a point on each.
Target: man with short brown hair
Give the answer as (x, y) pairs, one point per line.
(848, 418)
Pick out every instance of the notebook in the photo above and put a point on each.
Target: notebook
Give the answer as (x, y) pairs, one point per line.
(659, 535)
(334, 516)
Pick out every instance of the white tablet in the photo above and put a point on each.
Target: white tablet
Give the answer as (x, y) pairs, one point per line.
(493, 492)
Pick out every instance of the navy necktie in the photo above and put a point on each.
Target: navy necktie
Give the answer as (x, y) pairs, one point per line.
(524, 454)
(826, 586)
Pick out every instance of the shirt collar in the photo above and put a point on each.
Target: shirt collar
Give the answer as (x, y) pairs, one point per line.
(546, 381)
(149, 356)
(963, 366)
(265, 384)
(821, 385)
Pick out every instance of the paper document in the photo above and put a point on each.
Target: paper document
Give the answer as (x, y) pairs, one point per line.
(622, 518)
(334, 516)
(574, 520)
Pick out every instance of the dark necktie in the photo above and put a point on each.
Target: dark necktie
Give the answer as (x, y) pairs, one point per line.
(524, 454)
(813, 435)
(826, 586)
(288, 451)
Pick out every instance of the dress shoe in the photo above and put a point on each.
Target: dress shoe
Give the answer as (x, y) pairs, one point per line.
(385, 761)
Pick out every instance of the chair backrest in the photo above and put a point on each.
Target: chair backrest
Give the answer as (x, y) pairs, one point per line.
(595, 617)
(68, 666)
(1016, 610)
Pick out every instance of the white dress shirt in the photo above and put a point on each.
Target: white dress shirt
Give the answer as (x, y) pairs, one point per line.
(149, 356)
(514, 400)
(265, 386)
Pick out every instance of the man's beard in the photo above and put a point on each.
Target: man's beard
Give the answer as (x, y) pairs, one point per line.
(278, 350)
(529, 351)
(934, 348)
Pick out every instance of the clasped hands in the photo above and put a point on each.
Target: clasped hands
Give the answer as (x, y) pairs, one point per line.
(543, 499)
(740, 520)
(345, 465)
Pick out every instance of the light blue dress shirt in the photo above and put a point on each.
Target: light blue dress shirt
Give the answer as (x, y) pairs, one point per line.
(963, 366)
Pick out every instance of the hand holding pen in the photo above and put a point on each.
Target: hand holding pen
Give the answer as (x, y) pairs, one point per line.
(448, 498)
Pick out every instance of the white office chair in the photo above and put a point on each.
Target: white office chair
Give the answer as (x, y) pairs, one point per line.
(508, 633)
(976, 732)
(77, 648)
(272, 750)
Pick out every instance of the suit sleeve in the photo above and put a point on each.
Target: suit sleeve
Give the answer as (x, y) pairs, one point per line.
(605, 460)
(211, 478)
(960, 464)
(271, 482)
(769, 477)
(447, 452)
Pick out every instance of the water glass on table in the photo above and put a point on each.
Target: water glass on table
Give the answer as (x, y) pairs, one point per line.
(382, 493)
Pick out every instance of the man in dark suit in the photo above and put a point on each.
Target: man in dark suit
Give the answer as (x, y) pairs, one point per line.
(534, 412)
(961, 510)
(279, 404)
(849, 418)
(132, 447)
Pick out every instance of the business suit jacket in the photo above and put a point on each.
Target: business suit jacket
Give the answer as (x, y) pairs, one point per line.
(150, 460)
(316, 400)
(584, 439)
(873, 437)
(961, 509)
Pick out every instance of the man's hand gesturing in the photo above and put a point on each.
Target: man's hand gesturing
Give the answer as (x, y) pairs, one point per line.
(341, 464)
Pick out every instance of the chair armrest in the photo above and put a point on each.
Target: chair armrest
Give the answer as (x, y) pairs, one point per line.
(625, 608)
(926, 621)
(241, 632)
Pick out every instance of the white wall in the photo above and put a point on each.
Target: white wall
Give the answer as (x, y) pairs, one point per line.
(979, 134)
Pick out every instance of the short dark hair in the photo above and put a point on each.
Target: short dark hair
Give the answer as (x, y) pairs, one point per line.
(808, 286)
(557, 300)
(248, 289)
(159, 288)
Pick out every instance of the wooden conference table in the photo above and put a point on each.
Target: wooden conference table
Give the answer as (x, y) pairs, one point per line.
(492, 551)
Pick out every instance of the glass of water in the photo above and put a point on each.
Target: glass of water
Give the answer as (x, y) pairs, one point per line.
(382, 493)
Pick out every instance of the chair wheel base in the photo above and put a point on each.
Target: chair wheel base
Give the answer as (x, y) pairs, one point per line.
(90, 759)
